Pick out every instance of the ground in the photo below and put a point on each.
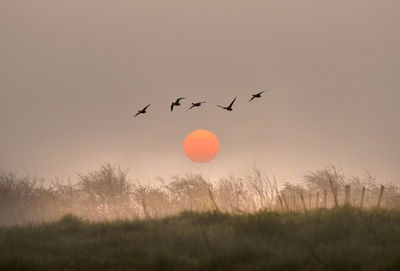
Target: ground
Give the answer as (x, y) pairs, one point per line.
(342, 238)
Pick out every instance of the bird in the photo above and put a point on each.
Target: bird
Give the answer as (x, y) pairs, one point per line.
(258, 95)
(176, 103)
(142, 111)
(195, 105)
(229, 107)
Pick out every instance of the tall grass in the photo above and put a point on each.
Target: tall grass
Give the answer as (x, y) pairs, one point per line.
(108, 194)
(341, 238)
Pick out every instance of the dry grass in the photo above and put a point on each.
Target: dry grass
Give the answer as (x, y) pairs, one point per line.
(108, 194)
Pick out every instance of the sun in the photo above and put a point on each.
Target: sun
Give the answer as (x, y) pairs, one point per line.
(201, 146)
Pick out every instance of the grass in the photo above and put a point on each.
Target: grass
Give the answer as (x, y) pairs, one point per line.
(342, 238)
(108, 194)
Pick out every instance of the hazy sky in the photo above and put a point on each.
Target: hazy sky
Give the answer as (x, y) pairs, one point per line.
(72, 74)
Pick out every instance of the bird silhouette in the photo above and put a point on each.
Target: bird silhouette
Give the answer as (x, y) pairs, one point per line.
(258, 95)
(229, 107)
(143, 111)
(176, 103)
(195, 105)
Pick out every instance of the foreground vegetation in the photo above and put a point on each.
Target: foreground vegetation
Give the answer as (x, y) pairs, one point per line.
(342, 238)
(101, 220)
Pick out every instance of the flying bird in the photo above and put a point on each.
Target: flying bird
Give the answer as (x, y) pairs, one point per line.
(258, 95)
(143, 111)
(176, 103)
(229, 107)
(195, 105)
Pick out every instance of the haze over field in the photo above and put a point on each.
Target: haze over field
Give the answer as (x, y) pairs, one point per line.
(73, 73)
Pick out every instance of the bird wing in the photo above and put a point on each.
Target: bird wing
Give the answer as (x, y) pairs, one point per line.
(181, 98)
(223, 107)
(232, 102)
(202, 102)
(172, 107)
(190, 108)
(252, 98)
(146, 107)
(138, 113)
(261, 92)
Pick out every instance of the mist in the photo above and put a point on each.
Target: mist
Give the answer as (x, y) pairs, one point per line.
(73, 73)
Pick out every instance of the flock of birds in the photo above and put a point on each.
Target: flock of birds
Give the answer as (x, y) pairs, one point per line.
(198, 104)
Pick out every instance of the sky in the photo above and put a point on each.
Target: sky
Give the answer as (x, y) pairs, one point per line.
(73, 73)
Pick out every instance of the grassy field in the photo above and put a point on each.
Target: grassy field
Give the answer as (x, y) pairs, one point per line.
(338, 239)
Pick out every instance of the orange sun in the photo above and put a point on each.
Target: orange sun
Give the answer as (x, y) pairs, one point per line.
(201, 146)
